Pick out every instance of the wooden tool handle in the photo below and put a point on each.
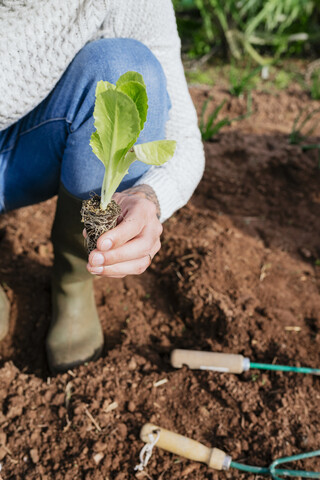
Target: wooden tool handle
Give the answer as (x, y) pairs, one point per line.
(219, 362)
(186, 447)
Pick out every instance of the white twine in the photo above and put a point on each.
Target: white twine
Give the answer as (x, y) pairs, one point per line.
(146, 451)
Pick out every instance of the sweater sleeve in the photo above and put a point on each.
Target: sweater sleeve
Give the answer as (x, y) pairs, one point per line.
(175, 181)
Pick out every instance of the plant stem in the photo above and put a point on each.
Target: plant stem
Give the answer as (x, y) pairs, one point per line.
(104, 189)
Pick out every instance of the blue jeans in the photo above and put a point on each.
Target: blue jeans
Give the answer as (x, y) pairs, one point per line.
(51, 143)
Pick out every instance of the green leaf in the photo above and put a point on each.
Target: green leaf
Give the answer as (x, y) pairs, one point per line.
(103, 86)
(137, 92)
(118, 125)
(96, 146)
(155, 153)
(120, 112)
(117, 122)
(130, 77)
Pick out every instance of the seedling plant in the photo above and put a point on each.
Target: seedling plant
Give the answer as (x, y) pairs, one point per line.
(120, 113)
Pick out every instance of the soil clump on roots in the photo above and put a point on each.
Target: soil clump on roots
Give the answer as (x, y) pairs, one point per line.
(97, 221)
(238, 272)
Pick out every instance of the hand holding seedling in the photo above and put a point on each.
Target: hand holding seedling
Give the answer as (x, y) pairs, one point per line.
(130, 218)
(129, 247)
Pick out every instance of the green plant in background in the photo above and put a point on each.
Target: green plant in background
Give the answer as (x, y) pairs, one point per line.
(283, 79)
(190, 27)
(242, 81)
(304, 125)
(240, 78)
(312, 79)
(315, 85)
(303, 128)
(254, 27)
(210, 125)
(196, 76)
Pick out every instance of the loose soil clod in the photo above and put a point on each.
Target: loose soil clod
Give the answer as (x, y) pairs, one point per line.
(97, 221)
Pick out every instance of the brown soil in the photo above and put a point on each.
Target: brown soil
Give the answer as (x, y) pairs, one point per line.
(237, 272)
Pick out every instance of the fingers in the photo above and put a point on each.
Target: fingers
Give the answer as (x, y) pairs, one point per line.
(120, 270)
(132, 258)
(130, 227)
(128, 248)
(148, 241)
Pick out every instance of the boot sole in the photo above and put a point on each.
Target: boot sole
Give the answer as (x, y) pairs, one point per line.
(62, 368)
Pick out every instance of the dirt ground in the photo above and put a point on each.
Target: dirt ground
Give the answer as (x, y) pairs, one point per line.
(238, 272)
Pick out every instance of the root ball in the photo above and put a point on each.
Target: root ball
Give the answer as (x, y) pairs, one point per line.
(97, 221)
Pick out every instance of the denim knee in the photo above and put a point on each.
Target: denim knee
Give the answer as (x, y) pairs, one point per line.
(109, 58)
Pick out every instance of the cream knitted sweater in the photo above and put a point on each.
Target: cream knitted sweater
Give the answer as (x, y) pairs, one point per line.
(38, 40)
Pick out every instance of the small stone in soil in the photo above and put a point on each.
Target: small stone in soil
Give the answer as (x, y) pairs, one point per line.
(34, 455)
(98, 457)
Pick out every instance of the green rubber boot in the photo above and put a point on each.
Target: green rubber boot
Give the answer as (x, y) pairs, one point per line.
(75, 335)
(4, 314)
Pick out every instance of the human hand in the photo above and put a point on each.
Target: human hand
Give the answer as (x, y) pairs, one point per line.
(128, 249)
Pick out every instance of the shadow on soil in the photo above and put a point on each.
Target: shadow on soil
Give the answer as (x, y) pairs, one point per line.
(267, 187)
